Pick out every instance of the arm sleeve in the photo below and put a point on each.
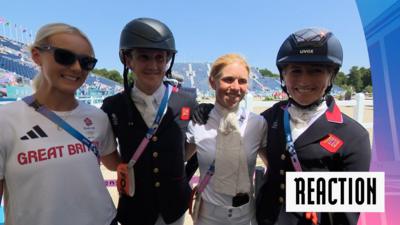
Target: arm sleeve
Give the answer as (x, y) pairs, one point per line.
(6, 141)
(108, 142)
(105, 105)
(358, 156)
(264, 133)
(2, 154)
(190, 133)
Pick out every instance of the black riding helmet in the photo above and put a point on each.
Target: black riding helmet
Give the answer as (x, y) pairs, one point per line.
(145, 33)
(310, 45)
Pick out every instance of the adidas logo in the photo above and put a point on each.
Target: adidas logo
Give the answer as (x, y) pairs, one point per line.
(36, 132)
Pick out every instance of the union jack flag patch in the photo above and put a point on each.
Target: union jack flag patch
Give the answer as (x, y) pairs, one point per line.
(185, 113)
(331, 143)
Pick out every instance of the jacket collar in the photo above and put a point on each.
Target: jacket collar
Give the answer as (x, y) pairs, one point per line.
(322, 126)
(333, 114)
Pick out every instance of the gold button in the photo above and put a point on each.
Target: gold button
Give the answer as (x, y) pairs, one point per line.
(157, 184)
(282, 186)
(281, 199)
(154, 138)
(155, 170)
(155, 154)
(282, 172)
(283, 156)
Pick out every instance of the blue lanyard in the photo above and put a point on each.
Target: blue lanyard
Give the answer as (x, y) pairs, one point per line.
(210, 172)
(289, 141)
(152, 130)
(160, 113)
(31, 101)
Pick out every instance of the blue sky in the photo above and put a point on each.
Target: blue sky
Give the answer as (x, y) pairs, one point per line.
(203, 29)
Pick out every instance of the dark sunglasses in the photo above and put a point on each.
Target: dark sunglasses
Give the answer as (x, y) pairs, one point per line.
(66, 57)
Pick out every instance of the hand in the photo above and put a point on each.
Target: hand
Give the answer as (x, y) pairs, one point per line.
(201, 112)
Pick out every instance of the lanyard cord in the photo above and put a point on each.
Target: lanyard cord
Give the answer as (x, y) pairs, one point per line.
(162, 109)
(207, 177)
(31, 101)
(289, 141)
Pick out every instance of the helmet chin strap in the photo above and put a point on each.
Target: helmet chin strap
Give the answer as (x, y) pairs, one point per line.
(125, 74)
(310, 106)
(169, 71)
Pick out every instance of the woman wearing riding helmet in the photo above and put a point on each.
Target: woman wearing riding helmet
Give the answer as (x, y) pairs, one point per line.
(152, 116)
(308, 62)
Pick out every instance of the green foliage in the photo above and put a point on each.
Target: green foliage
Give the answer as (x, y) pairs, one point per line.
(368, 89)
(109, 74)
(268, 73)
(359, 78)
(366, 77)
(268, 98)
(355, 79)
(340, 80)
(347, 95)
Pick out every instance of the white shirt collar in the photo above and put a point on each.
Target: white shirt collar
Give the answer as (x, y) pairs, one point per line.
(223, 111)
(137, 94)
(306, 115)
(302, 119)
(219, 112)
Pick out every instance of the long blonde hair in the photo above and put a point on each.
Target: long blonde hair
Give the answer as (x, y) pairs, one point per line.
(42, 37)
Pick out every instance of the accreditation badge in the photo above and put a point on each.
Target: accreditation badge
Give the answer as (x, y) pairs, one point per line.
(125, 179)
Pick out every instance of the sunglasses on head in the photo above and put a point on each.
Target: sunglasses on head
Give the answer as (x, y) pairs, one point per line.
(66, 57)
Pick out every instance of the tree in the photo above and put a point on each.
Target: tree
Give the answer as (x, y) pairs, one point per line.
(366, 77)
(115, 76)
(267, 73)
(112, 74)
(355, 79)
(368, 89)
(340, 80)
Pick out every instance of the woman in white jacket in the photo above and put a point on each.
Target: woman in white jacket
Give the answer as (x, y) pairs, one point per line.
(229, 141)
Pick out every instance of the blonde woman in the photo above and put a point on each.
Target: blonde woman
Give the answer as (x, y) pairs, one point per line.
(48, 176)
(230, 140)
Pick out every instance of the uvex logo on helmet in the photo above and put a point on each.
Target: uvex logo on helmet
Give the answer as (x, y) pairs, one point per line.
(306, 51)
(310, 46)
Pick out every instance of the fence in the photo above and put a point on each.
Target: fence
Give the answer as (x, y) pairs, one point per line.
(359, 103)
